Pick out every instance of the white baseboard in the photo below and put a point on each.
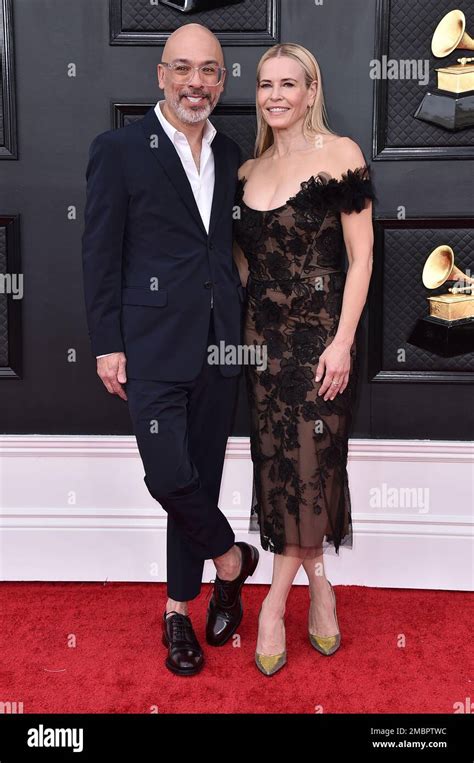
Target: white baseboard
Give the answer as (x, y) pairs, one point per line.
(76, 508)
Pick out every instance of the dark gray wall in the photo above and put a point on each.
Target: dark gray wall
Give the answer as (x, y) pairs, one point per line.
(57, 118)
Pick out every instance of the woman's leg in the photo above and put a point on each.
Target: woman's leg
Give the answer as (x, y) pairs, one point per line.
(321, 614)
(271, 630)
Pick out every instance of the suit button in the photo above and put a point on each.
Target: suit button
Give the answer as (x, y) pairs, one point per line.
(211, 246)
(208, 284)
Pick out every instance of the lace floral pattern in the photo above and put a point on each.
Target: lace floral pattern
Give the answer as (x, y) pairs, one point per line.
(299, 442)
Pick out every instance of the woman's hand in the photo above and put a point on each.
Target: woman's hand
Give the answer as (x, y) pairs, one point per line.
(335, 363)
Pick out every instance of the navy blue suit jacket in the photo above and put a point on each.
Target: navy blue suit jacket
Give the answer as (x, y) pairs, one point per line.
(150, 267)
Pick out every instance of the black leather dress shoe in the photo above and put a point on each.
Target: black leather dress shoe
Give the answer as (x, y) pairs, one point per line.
(185, 657)
(225, 612)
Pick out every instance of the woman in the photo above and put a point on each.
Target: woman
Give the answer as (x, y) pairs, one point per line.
(296, 200)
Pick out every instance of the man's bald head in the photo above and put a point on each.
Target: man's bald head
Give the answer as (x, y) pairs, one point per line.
(196, 38)
(191, 101)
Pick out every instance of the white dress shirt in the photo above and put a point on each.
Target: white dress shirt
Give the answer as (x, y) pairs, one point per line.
(202, 182)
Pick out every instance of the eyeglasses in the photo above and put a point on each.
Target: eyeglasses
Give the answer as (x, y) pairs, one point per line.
(210, 74)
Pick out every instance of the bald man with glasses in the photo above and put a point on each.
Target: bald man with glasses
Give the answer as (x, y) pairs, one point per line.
(161, 287)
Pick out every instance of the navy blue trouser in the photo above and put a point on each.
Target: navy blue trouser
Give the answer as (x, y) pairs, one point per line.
(182, 430)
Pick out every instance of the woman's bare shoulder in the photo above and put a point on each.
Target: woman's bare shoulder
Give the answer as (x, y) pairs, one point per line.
(246, 168)
(341, 153)
(251, 164)
(348, 155)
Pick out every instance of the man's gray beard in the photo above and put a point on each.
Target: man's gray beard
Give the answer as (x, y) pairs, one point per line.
(191, 117)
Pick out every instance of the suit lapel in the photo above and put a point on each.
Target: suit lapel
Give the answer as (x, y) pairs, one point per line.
(165, 153)
(220, 168)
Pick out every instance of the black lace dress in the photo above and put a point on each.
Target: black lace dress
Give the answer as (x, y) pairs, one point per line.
(299, 442)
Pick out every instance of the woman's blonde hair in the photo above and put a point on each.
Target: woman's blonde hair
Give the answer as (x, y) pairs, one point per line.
(316, 120)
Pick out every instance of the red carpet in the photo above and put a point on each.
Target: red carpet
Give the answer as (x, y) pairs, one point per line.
(117, 662)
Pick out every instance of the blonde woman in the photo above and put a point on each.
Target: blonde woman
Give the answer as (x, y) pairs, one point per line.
(306, 193)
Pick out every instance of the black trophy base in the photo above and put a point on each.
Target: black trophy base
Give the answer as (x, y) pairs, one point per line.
(443, 338)
(453, 111)
(193, 6)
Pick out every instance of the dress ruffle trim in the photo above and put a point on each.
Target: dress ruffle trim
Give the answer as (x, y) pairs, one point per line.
(348, 194)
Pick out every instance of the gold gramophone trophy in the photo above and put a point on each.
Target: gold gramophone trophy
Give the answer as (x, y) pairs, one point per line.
(449, 328)
(451, 104)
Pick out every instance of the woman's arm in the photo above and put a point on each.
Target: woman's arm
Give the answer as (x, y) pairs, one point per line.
(237, 253)
(241, 262)
(359, 240)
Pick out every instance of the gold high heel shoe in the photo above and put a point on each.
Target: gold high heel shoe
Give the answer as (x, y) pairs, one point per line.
(327, 644)
(269, 664)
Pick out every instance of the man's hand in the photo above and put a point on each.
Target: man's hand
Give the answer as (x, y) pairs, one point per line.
(111, 370)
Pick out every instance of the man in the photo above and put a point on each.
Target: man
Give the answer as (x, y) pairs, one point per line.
(160, 287)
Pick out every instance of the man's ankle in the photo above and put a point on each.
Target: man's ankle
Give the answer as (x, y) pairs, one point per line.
(227, 570)
(181, 607)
